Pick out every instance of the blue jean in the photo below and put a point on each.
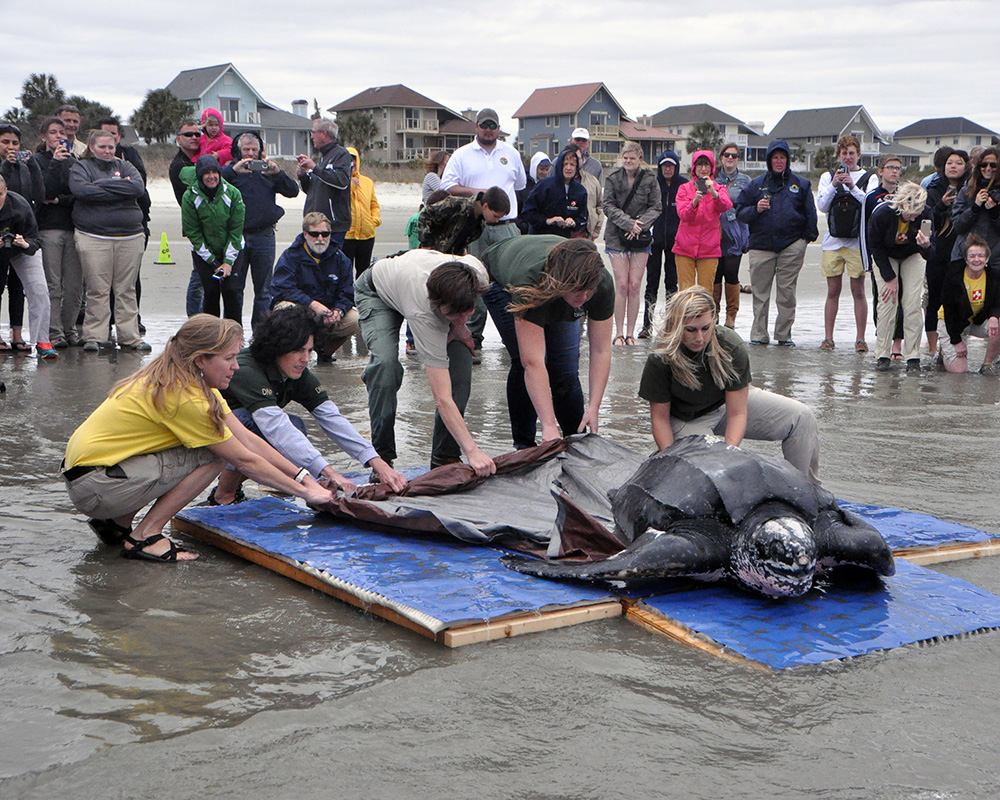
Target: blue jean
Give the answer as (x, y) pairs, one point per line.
(259, 249)
(562, 360)
(380, 324)
(194, 300)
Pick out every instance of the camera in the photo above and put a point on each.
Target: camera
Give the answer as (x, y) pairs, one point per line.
(842, 168)
(256, 165)
(995, 195)
(7, 239)
(23, 155)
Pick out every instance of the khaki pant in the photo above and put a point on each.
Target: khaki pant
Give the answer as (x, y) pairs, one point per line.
(782, 269)
(111, 265)
(911, 278)
(64, 276)
(695, 270)
(770, 418)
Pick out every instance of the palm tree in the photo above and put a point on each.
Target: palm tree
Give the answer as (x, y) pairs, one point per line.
(40, 88)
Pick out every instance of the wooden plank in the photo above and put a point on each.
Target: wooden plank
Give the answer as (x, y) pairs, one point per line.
(506, 627)
(473, 633)
(948, 552)
(679, 632)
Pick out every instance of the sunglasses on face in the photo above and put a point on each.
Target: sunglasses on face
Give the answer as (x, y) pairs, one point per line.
(192, 134)
(730, 155)
(488, 126)
(318, 234)
(988, 165)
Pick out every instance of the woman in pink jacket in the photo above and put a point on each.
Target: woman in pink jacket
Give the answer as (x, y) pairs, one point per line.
(700, 203)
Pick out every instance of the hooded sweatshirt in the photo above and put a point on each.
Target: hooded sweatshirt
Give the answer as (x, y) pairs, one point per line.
(792, 215)
(366, 215)
(665, 227)
(554, 197)
(221, 145)
(212, 219)
(698, 235)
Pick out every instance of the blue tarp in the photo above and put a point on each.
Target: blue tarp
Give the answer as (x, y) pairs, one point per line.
(908, 529)
(914, 605)
(447, 580)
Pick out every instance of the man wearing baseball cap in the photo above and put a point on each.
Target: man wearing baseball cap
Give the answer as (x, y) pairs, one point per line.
(581, 138)
(475, 167)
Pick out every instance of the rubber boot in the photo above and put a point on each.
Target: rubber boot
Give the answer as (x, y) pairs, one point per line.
(732, 303)
(717, 297)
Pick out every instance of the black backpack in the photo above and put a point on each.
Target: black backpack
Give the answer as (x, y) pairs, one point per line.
(844, 216)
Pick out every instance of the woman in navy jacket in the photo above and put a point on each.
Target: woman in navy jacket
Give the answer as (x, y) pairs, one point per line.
(558, 204)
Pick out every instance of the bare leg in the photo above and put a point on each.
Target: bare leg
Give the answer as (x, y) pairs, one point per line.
(992, 350)
(636, 272)
(619, 265)
(164, 509)
(229, 482)
(834, 285)
(860, 306)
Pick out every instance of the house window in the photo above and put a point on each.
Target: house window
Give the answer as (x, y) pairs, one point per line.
(833, 140)
(927, 140)
(230, 108)
(979, 140)
(937, 140)
(598, 118)
(548, 122)
(555, 123)
(599, 97)
(955, 141)
(412, 113)
(809, 140)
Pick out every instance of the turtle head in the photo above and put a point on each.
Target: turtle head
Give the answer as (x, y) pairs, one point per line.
(774, 552)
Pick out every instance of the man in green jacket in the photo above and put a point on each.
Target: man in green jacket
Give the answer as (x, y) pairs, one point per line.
(212, 214)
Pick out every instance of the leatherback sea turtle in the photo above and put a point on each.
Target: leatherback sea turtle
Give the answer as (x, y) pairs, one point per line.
(705, 510)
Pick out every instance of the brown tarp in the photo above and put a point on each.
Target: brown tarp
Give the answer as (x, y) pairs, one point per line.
(547, 499)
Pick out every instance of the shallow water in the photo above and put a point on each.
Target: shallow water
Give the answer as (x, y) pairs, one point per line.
(125, 679)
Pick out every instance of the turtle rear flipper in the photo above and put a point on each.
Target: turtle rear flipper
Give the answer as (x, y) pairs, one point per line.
(843, 538)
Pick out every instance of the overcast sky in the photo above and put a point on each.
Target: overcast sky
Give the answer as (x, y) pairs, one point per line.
(902, 60)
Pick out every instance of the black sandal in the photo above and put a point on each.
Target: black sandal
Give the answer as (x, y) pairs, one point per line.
(138, 548)
(238, 497)
(109, 531)
(20, 347)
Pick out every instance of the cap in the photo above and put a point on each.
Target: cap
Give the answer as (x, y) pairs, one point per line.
(581, 133)
(487, 115)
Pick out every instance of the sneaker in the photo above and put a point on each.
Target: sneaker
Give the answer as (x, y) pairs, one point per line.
(91, 347)
(759, 341)
(827, 344)
(883, 364)
(645, 333)
(46, 352)
(746, 289)
(477, 356)
(913, 365)
(411, 349)
(73, 339)
(988, 369)
(789, 343)
(325, 358)
(60, 344)
(860, 346)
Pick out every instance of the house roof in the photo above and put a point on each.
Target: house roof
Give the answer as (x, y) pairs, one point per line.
(897, 149)
(271, 117)
(396, 96)
(805, 122)
(459, 125)
(191, 84)
(687, 115)
(944, 126)
(557, 100)
(636, 132)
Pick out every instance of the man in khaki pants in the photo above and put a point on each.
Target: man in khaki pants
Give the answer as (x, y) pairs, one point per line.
(779, 209)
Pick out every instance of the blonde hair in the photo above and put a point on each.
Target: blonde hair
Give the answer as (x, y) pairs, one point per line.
(685, 305)
(174, 369)
(909, 198)
(632, 147)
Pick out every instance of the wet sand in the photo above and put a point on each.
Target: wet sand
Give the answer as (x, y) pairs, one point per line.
(125, 679)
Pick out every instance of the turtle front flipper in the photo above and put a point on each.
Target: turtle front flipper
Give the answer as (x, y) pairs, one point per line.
(845, 539)
(692, 548)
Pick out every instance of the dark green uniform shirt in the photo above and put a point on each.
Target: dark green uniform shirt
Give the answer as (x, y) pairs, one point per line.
(254, 387)
(520, 261)
(658, 385)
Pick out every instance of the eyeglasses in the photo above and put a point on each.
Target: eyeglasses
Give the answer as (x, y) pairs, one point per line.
(192, 134)
(893, 167)
(730, 155)
(318, 234)
(488, 126)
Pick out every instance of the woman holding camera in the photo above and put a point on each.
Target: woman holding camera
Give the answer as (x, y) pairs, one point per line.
(899, 247)
(212, 213)
(700, 204)
(162, 436)
(631, 204)
(977, 207)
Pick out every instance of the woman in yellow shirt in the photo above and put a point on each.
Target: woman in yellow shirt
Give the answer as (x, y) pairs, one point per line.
(162, 436)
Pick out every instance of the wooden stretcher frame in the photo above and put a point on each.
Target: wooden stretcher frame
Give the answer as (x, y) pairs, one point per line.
(503, 627)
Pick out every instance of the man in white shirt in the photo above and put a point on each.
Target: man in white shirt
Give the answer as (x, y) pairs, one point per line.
(474, 168)
(581, 138)
(841, 197)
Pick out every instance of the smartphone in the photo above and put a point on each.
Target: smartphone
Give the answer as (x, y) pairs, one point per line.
(925, 227)
(702, 185)
(842, 168)
(219, 274)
